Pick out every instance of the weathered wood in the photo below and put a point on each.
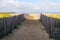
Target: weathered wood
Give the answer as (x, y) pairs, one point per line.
(51, 25)
(7, 25)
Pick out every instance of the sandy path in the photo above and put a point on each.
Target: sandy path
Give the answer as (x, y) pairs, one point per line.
(29, 30)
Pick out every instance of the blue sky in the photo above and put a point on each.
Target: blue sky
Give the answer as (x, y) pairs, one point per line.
(27, 6)
(38, 1)
(33, 1)
(57, 1)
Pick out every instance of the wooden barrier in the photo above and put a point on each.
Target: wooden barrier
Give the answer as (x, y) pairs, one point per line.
(7, 25)
(52, 26)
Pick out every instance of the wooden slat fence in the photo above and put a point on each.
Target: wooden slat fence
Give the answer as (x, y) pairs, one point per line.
(7, 25)
(52, 26)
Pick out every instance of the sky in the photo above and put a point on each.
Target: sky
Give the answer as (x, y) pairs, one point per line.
(30, 6)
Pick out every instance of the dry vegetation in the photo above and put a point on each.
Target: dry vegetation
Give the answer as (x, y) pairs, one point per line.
(32, 16)
(57, 16)
(6, 14)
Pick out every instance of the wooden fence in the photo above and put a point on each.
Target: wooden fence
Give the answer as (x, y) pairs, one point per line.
(7, 25)
(52, 26)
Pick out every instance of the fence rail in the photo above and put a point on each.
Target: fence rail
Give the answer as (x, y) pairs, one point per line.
(7, 25)
(52, 26)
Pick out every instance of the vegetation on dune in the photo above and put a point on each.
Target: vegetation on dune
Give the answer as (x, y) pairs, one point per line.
(57, 16)
(15, 14)
(4, 15)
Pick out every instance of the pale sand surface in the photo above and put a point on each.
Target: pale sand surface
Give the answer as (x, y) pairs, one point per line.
(29, 30)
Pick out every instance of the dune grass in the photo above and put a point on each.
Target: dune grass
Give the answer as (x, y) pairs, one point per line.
(5, 15)
(57, 16)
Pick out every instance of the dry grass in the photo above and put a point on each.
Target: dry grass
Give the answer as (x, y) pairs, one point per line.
(57, 16)
(32, 16)
(7, 14)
